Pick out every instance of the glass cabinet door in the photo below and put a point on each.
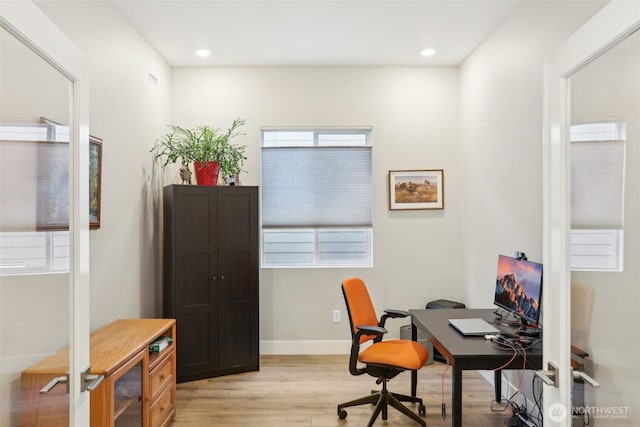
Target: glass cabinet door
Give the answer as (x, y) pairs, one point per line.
(127, 395)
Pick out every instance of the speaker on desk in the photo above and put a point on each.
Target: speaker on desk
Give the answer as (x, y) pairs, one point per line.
(437, 304)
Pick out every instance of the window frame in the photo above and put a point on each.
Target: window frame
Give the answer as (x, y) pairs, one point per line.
(317, 132)
(590, 237)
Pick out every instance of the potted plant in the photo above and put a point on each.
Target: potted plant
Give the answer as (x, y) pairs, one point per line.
(208, 148)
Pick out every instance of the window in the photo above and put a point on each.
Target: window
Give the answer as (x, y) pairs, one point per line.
(597, 196)
(34, 252)
(23, 248)
(316, 197)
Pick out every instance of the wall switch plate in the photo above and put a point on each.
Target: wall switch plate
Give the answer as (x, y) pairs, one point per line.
(336, 316)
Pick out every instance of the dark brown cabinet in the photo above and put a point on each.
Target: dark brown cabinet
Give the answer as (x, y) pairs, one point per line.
(211, 278)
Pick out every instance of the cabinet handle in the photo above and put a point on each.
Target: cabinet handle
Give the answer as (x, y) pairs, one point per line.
(213, 278)
(221, 277)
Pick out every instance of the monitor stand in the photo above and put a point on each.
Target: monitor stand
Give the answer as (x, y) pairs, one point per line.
(501, 319)
(529, 330)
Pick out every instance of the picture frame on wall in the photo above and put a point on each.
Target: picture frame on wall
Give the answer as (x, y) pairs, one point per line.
(53, 179)
(416, 189)
(95, 181)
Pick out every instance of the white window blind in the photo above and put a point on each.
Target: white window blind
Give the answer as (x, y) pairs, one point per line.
(32, 201)
(597, 196)
(597, 184)
(316, 197)
(316, 187)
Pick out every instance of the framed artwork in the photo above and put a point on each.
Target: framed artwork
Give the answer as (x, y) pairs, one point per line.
(95, 181)
(416, 189)
(53, 179)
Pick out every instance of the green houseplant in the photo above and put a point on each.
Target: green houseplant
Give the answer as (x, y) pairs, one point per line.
(207, 147)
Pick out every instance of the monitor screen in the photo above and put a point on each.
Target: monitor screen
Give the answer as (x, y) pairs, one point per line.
(519, 287)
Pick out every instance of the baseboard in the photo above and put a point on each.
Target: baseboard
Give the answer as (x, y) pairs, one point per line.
(305, 347)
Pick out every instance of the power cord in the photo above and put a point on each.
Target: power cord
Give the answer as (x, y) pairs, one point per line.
(443, 406)
(519, 413)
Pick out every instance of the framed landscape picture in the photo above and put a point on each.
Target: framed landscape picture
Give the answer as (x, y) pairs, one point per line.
(95, 181)
(53, 179)
(416, 189)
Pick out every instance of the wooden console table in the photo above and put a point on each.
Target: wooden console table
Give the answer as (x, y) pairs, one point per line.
(139, 386)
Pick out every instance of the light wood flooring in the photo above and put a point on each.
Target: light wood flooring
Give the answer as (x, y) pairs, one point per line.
(305, 390)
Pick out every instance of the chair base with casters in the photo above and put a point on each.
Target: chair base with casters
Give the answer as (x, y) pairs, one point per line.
(382, 360)
(382, 399)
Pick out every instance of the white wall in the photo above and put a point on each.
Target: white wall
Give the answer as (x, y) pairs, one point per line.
(414, 115)
(501, 87)
(128, 112)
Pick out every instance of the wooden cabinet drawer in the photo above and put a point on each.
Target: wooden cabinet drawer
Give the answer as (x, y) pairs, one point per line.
(162, 409)
(161, 376)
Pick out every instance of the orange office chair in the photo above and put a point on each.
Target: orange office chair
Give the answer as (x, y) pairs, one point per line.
(382, 359)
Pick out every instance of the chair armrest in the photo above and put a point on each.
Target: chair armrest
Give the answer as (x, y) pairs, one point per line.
(361, 330)
(393, 314)
(368, 330)
(397, 313)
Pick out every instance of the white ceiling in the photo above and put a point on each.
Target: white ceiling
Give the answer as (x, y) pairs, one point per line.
(315, 32)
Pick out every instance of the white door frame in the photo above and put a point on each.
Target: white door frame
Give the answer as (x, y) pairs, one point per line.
(31, 26)
(613, 23)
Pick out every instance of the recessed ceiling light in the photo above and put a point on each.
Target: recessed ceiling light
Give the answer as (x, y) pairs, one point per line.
(203, 53)
(428, 52)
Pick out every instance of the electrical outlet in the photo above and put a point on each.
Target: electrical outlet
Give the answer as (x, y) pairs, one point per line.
(336, 316)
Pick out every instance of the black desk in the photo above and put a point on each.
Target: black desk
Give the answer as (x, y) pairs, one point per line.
(465, 353)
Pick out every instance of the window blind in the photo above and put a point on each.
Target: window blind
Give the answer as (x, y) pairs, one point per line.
(316, 187)
(597, 180)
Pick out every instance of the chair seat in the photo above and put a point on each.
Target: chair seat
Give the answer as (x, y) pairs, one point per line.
(401, 353)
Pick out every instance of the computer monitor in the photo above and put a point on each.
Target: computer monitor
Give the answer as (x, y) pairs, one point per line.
(519, 288)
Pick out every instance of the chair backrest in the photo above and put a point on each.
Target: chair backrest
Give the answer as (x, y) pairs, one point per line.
(359, 306)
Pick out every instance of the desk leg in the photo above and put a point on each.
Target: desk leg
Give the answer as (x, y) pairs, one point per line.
(456, 397)
(497, 383)
(414, 373)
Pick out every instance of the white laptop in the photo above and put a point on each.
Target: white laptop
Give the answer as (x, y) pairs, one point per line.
(473, 327)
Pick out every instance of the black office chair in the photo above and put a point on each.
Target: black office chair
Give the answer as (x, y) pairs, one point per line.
(382, 359)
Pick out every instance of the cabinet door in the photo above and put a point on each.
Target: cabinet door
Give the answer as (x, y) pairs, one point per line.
(238, 276)
(128, 392)
(194, 258)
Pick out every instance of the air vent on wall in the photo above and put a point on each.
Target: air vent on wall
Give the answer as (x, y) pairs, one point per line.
(153, 79)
